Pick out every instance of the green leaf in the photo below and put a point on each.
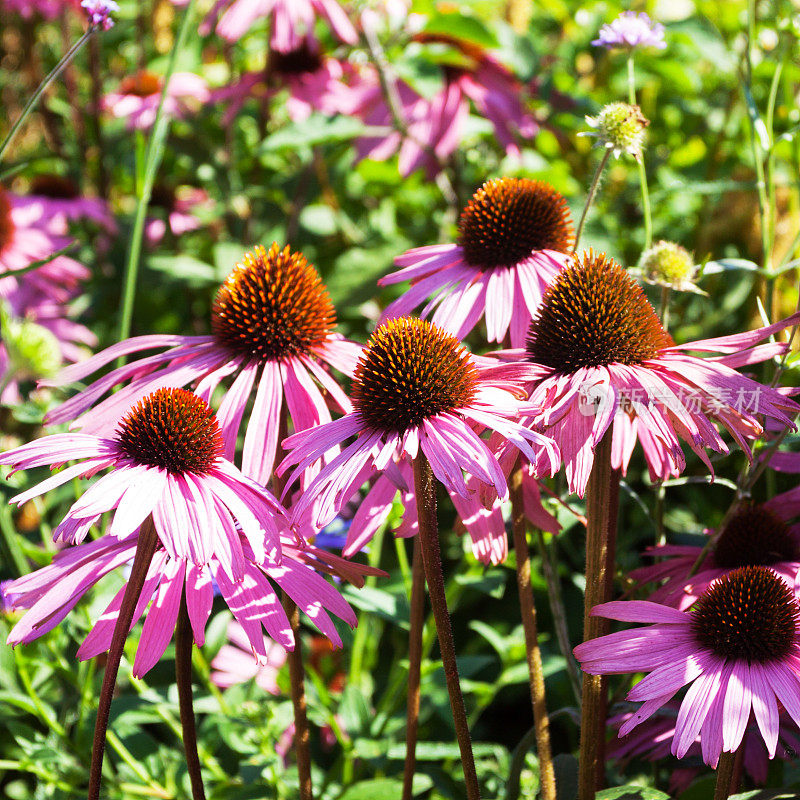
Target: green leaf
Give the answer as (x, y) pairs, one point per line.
(317, 129)
(461, 26)
(631, 793)
(384, 789)
(184, 268)
(319, 219)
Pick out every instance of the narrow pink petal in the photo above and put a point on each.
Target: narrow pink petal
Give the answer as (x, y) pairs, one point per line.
(199, 599)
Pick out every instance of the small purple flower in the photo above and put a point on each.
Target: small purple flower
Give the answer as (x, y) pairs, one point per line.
(631, 30)
(99, 12)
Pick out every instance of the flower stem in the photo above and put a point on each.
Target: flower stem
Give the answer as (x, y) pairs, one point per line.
(425, 491)
(417, 621)
(297, 680)
(547, 777)
(32, 103)
(648, 220)
(153, 156)
(590, 197)
(148, 540)
(602, 505)
(725, 769)
(183, 678)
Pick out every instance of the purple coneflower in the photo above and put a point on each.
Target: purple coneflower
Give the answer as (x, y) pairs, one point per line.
(756, 535)
(139, 95)
(174, 210)
(513, 239)
(416, 389)
(234, 662)
(738, 649)
(291, 20)
(599, 357)
(211, 522)
(630, 30)
(272, 325)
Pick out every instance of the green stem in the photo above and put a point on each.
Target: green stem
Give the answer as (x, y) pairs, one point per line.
(665, 292)
(590, 197)
(547, 776)
(153, 157)
(602, 506)
(425, 491)
(43, 86)
(417, 621)
(648, 218)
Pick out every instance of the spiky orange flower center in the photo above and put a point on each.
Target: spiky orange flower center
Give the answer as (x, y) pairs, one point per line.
(272, 306)
(411, 370)
(299, 61)
(507, 219)
(755, 536)
(750, 614)
(55, 186)
(141, 84)
(594, 314)
(6, 222)
(172, 429)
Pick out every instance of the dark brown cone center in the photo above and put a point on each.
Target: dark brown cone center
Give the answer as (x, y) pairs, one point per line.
(755, 536)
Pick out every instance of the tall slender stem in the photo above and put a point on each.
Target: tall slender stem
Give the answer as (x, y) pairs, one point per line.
(425, 491)
(590, 197)
(148, 540)
(417, 622)
(183, 678)
(297, 679)
(602, 505)
(547, 776)
(36, 96)
(725, 770)
(648, 219)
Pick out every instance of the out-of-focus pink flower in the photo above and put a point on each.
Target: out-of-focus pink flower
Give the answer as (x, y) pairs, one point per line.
(631, 30)
(49, 9)
(54, 202)
(174, 211)
(138, 97)
(315, 83)
(234, 663)
(290, 20)
(99, 12)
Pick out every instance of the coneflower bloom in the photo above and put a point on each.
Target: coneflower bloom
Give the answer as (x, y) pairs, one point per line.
(291, 20)
(756, 535)
(139, 95)
(174, 210)
(23, 242)
(737, 649)
(272, 325)
(212, 523)
(600, 358)
(514, 236)
(234, 663)
(416, 389)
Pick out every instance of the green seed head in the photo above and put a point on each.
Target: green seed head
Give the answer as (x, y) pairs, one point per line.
(621, 128)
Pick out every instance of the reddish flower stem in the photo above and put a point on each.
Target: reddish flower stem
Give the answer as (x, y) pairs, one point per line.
(148, 540)
(425, 491)
(417, 621)
(183, 678)
(541, 724)
(602, 505)
(725, 770)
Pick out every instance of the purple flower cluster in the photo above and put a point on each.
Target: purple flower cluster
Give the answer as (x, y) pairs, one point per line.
(631, 30)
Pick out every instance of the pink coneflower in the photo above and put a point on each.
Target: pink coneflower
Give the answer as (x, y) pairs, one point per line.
(600, 358)
(54, 202)
(737, 649)
(234, 663)
(272, 325)
(291, 20)
(139, 94)
(415, 389)
(315, 83)
(176, 209)
(513, 238)
(49, 9)
(756, 535)
(211, 522)
(23, 243)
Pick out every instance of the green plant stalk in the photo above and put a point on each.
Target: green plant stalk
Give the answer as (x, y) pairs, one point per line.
(602, 506)
(425, 490)
(416, 623)
(648, 217)
(183, 680)
(590, 197)
(547, 776)
(145, 549)
(43, 86)
(153, 156)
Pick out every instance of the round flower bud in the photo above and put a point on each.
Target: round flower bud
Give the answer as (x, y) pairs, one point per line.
(669, 264)
(621, 128)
